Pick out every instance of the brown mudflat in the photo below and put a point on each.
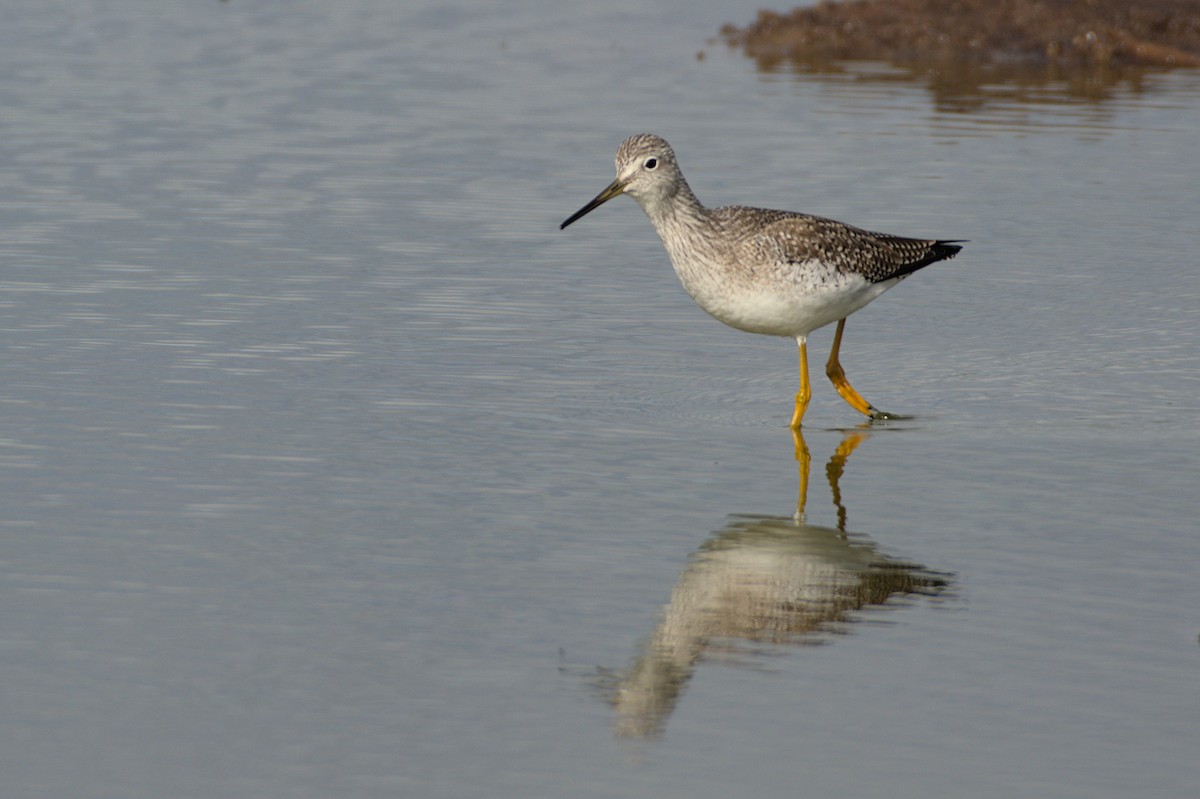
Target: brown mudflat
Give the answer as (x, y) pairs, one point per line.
(1097, 32)
(1090, 40)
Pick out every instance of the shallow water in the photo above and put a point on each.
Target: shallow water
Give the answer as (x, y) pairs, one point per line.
(332, 467)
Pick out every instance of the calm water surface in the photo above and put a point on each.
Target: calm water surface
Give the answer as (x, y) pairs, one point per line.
(332, 468)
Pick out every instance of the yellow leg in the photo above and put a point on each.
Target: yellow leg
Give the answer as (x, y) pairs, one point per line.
(805, 393)
(834, 370)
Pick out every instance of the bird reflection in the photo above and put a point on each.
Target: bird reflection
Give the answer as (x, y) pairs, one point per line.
(765, 580)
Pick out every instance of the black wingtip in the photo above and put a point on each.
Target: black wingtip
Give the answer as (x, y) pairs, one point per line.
(943, 250)
(939, 250)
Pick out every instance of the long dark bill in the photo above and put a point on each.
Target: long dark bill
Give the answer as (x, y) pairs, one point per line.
(614, 189)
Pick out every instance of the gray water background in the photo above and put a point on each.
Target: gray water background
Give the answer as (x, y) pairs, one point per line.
(330, 467)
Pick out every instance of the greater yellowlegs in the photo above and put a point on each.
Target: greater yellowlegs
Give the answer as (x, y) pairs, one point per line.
(778, 273)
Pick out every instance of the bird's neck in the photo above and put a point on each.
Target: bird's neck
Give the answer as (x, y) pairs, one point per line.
(679, 217)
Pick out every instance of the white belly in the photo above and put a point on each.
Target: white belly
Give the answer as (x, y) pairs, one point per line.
(792, 301)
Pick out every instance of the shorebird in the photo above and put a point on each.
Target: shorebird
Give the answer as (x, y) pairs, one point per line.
(778, 273)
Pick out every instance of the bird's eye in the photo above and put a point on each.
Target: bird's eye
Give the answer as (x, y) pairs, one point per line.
(651, 163)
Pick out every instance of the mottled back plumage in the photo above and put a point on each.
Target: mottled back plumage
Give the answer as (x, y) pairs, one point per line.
(799, 238)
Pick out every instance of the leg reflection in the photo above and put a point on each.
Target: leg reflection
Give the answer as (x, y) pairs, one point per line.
(833, 471)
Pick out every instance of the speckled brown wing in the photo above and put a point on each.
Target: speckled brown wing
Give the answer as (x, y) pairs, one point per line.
(802, 238)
